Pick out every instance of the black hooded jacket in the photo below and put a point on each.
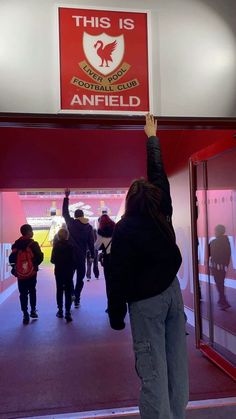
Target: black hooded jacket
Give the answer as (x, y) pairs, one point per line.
(21, 244)
(144, 259)
(81, 234)
(63, 258)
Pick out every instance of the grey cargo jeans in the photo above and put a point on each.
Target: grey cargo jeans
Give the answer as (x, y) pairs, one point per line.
(159, 339)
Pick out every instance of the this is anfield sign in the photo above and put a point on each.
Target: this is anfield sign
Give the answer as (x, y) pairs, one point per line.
(103, 61)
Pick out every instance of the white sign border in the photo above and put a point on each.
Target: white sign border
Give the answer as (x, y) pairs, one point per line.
(149, 63)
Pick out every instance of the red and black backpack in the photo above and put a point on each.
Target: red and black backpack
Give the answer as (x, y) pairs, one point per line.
(24, 263)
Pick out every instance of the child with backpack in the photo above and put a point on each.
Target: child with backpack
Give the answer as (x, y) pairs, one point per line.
(63, 259)
(25, 258)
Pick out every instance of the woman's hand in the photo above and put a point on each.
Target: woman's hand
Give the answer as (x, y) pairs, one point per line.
(151, 126)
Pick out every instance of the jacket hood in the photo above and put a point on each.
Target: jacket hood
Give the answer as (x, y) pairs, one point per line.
(83, 220)
(62, 243)
(22, 243)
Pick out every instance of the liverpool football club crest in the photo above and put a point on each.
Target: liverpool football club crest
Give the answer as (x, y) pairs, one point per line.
(103, 60)
(103, 52)
(103, 64)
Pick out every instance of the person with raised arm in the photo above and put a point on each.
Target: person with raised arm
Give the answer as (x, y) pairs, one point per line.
(82, 239)
(144, 263)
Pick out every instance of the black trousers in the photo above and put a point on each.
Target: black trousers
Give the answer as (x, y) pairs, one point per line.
(94, 263)
(219, 277)
(64, 286)
(80, 274)
(27, 287)
(107, 271)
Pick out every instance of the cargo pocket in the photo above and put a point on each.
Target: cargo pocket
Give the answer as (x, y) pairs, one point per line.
(143, 360)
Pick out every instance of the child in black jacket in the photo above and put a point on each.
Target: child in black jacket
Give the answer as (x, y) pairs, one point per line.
(63, 259)
(25, 258)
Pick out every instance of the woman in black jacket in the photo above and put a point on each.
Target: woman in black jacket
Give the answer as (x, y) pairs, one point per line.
(145, 260)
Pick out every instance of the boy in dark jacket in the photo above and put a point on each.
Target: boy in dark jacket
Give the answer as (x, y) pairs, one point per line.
(82, 239)
(25, 258)
(63, 259)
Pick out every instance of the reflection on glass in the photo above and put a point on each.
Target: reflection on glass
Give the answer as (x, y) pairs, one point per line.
(220, 253)
(216, 230)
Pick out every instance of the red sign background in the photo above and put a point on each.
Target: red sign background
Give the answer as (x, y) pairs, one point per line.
(79, 78)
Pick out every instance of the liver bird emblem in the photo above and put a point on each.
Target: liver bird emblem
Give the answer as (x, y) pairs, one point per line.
(105, 52)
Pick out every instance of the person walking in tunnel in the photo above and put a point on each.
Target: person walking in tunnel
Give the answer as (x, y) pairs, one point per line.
(25, 258)
(92, 262)
(104, 237)
(144, 262)
(82, 239)
(220, 253)
(63, 259)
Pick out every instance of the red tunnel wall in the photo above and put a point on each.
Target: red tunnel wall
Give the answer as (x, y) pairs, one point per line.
(57, 158)
(36, 158)
(12, 216)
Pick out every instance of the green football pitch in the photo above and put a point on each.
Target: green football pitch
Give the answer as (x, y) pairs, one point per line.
(41, 236)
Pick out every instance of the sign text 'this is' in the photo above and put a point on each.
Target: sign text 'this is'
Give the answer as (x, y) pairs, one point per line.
(102, 22)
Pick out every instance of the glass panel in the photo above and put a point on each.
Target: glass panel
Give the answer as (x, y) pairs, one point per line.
(216, 228)
(222, 238)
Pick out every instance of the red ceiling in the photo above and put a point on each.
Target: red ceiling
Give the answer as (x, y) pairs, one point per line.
(35, 157)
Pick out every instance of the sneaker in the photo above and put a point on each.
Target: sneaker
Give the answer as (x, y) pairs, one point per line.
(224, 306)
(73, 297)
(60, 314)
(77, 304)
(33, 314)
(26, 318)
(68, 317)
